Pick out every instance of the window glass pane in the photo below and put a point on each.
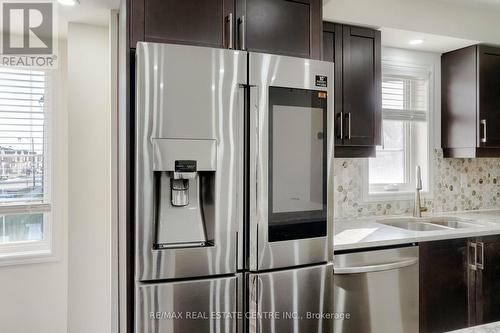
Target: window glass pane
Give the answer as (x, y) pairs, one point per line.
(22, 125)
(394, 138)
(21, 227)
(389, 165)
(420, 149)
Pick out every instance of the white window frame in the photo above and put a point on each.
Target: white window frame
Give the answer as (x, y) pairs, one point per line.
(407, 192)
(34, 251)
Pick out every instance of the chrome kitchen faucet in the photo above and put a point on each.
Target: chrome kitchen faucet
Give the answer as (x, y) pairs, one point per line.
(418, 209)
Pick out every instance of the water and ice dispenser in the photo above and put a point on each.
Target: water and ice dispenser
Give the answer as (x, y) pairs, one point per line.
(184, 175)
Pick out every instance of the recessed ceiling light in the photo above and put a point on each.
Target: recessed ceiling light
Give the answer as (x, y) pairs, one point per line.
(69, 2)
(415, 42)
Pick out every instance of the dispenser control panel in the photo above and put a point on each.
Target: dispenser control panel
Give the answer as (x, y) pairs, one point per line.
(185, 166)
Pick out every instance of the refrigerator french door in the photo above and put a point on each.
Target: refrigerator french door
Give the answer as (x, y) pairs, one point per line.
(290, 183)
(188, 187)
(233, 193)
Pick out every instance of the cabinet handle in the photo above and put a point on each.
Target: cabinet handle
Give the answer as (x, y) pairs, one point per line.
(474, 265)
(340, 117)
(481, 255)
(348, 117)
(242, 31)
(229, 20)
(484, 139)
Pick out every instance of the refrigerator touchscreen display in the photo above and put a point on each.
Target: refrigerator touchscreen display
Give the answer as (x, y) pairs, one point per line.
(297, 164)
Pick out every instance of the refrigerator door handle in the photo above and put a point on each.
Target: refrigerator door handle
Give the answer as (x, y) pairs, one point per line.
(253, 306)
(240, 216)
(253, 170)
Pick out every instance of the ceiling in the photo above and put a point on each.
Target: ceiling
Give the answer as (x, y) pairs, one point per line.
(474, 20)
(475, 3)
(97, 12)
(88, 11)
(431, 43)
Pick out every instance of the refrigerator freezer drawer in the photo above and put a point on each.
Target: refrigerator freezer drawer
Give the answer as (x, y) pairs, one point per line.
(187, 306)
(297, 300)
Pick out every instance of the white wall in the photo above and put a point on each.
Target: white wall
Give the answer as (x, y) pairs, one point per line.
(89, 122)
(33, 297)
(439, 17)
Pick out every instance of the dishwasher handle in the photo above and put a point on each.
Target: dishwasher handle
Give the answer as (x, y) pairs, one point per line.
(375, 268)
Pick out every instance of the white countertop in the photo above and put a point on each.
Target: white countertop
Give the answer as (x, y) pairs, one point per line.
(365, 232)
(486, 328)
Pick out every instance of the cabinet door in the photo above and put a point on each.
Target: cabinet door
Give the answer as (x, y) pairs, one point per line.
(443, 285)
(332, 51)
(204, 23)
(361, 86)
(487, 280)
(284, 27)
(328, 41)
(489, 96)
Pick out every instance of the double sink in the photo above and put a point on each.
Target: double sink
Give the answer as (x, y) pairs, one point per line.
(429, 224)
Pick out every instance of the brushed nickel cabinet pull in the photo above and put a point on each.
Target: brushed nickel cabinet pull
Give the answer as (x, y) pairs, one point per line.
(481, 256)
(348, 117)
(229, 20)
(242, 31)
(484, 139)
(474, 259)
(340, 117)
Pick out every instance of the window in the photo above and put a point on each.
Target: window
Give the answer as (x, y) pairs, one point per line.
(405, 131)
(24, 167)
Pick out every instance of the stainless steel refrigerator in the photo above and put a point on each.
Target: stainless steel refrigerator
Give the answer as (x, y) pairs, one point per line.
(233, 191)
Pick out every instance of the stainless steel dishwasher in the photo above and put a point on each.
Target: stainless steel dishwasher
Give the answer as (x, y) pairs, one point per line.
(377, 291)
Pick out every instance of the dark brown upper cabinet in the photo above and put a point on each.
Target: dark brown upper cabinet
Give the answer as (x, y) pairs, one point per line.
(283, 27)
(204, 23)
(470, 110)
(356, 52)
(291, 28)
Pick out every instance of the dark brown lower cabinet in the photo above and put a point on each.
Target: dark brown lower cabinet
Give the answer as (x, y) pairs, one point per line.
(459, 283)
(485, 282)
(443, 285)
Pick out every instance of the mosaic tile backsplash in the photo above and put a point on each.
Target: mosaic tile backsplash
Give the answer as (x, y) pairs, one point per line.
(459, 184)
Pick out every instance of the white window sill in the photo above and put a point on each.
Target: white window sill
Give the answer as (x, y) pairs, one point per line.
(394, 196)
(27, 258)
(19, 254)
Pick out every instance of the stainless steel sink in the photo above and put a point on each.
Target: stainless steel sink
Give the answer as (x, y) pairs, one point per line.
(429, 224)
(453, 223)
(414, 226)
